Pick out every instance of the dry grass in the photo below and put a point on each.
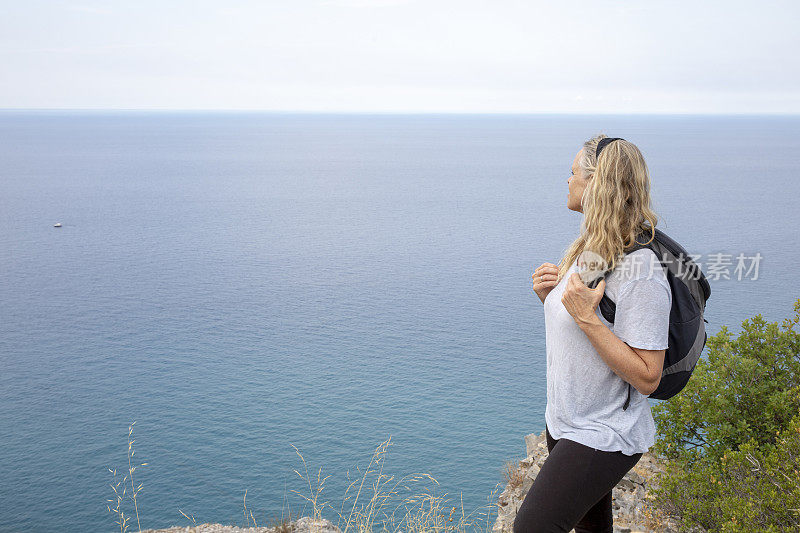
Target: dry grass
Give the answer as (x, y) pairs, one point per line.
(373, 504)
(282, 525)
(370, 504)
(513, 474)
(122, 520)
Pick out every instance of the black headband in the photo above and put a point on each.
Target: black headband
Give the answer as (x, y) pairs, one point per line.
(603, 142)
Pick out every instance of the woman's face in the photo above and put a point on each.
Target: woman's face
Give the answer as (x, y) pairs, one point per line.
(577, 184)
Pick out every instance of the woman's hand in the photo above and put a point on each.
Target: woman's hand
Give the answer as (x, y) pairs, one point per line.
(544, 279)
(581, 301)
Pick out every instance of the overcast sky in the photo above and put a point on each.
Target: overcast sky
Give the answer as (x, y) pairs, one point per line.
(600, 56)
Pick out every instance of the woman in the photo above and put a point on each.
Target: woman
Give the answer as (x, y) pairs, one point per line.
(592, 440)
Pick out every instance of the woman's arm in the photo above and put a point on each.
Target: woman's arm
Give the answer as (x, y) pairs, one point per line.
(639, 367)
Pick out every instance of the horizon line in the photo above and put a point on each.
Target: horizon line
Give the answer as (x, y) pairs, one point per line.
(387, 112)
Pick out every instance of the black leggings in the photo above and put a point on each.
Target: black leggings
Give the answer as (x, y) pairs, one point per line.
(573, 489)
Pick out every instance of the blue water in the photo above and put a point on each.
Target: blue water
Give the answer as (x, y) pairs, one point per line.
(241, 283)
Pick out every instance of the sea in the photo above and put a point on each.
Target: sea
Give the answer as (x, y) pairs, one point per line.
(276, 308)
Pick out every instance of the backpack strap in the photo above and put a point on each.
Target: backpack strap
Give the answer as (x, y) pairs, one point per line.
(607, 307)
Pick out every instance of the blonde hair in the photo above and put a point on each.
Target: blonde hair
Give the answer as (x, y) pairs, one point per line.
(616, 202)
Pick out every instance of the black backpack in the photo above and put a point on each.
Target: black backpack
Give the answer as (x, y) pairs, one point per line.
(687, 333)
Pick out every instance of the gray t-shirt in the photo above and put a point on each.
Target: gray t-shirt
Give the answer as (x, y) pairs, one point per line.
(584, 396)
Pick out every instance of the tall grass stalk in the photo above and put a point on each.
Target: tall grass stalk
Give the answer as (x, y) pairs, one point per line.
(119, 499)
(368, 500)
(370, 509)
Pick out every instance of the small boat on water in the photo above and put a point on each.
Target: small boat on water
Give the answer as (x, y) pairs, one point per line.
(57, 225)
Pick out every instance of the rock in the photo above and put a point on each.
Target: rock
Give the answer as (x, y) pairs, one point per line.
(305, 524)
(533, 441)
(309, 525)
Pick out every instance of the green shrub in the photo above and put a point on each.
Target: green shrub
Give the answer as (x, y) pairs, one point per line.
(731, 438)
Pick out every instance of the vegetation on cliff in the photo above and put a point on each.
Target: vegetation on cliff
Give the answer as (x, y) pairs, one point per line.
(731, 438)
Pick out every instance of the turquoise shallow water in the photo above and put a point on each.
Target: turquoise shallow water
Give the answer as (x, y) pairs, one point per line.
(241, 283)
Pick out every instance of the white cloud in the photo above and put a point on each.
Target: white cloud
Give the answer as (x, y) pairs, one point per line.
(95, 10)
(506, 56)
(364, 3)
